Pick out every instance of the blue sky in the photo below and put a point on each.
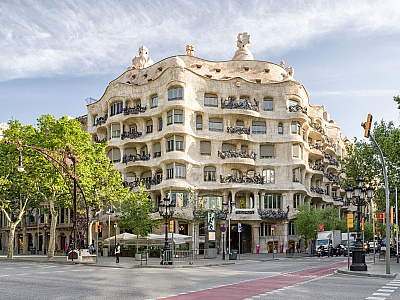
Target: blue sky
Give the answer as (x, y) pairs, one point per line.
(54, 55)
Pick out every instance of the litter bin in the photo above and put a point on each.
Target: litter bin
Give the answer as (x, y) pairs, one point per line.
(105, 252)
(33, 250)
(233, 255)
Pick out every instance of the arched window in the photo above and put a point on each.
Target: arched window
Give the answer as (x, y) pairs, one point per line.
(154, 101)
(210, 100)
(239, 124)
(259, 127)
(114, 155)
(296, 128)
(175, 93)
(268, 104)
(209, 173)
(199, 122)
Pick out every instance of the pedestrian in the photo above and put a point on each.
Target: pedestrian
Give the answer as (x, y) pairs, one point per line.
(117, 252)
(298, 248)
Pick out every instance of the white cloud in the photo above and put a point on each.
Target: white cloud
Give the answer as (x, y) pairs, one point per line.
(87, 37)
(355, 93)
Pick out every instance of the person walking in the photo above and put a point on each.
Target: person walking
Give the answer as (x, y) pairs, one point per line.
(117, 252)
(298, 248)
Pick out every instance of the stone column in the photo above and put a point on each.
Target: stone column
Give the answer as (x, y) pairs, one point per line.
(262, 204)
(255, 233)
(255, 202)
(247, 200)
(285, 235)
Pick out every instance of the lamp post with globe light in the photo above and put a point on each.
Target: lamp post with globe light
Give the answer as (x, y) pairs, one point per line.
(166, 210)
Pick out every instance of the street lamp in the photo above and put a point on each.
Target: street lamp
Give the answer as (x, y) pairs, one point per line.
(115, 241)
(44, 239)
(356, 196)
(166, 209)
(227, 207)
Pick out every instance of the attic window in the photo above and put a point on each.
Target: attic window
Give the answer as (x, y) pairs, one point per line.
(209, 76)
(258, 80)
(128, 82)
(133, 76)
(160, 69)
(145, 75)
(217, 70)
(246, 68)
(198, 66)
(148, 80)
(266, 70)
(283, 74)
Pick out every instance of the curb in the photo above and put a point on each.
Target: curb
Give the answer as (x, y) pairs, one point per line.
(356, 273)
(182, 266)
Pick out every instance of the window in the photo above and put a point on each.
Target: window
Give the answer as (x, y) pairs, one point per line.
(175, 143)
(291, 228)
(212, 202)
(116, 108)
(296, 129)
(272, 201)
(297, 152)
(210, 100)
(115, 130)
(228, 147)
(327, 189)
(176, 170)
(157, 150)
(334, 193)
(154, 101)
(95, 120)
(175, 94)
(239, 124)
(244, 99)
(268, 104)
(318, 183)
(244, 149)
(199, 122)
(159, 124)
(149, 126)
(175, 116)
(209, 173)
(114, 155)
(180, 198)
(258, 127)
(268, 176)
(296, 175)
(267, 151)
(292, 103)
(280, 128)
(215, 124)
(205, 147)
(304, 135)
(296, 200)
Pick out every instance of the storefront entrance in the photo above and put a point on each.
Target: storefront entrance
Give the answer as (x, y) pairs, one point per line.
(245, 238)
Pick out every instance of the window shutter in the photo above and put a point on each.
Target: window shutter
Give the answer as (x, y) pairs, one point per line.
(215, 120)
(146, 174)
(199, 119)
(258, 123)
(149, 122)
(130, 151)
(205, 147)
(228, 147)
(209, 169)
(178, 138)
(157, 147)
(115, 127)
(267, 151)
(296, 150)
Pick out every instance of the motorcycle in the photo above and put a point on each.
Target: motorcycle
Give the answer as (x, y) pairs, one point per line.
(320, 251)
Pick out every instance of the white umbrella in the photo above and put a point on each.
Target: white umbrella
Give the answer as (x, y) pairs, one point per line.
(122, 237)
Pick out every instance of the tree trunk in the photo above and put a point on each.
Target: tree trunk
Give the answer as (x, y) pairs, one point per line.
(24, 236)
(10, 253)
(53, 224)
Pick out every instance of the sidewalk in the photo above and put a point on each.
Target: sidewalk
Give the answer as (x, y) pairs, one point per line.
(377, 269)
(130, 262)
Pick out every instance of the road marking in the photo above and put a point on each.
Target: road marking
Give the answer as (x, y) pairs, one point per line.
(26, 267)
(4, 275)
(393, 284)
(385, 290)
(21, 274)
(9, 268)
(390, 287)
(43, 272)
(380, 294)
(375, 298)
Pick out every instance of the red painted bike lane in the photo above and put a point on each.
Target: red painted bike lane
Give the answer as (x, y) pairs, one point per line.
(256, 287)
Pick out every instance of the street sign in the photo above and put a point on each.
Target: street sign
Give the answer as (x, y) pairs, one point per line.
(239, 227)
(223, 229)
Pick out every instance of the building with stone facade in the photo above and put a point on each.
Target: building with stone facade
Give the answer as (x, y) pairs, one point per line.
(241, 132)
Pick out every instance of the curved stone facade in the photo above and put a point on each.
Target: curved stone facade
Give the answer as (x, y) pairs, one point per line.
(236, 131)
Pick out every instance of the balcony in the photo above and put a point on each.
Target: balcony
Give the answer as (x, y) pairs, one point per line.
(317, 147)
(132, 134)
(297, 108)
(317, 190)
(97, 140)
(256, 179)
(274, 214)
(101, 120)
(238, 130)
(317, 167)
(229, 154)
(318, 127)
(331, 177)
(246, 104)
(135, 157)
(134, 110)
(147, 182)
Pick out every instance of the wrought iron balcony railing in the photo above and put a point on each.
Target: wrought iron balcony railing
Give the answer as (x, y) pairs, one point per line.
(101, 120)
(256, 179)
(317, 190)
(275, 214)
(317, 167)
(245, 104)
(134, 110)
(333, 162)
(331, 177)
(318, 147)
(238, 130)
(97, 140)
(135, 157)
(297, 108)
(133, 134)
(147, 182)
(229, 154)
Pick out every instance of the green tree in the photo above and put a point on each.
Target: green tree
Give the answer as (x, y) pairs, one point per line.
(307, 221)
(136, 213)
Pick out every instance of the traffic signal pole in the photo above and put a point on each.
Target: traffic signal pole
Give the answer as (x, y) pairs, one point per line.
(367, 126)
(397, 228)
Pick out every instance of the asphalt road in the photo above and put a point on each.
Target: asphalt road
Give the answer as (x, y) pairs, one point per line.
(305, 278)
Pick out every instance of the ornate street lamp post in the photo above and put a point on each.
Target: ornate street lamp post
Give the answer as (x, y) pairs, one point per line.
(115, 241)
(357, 196)
(166, 209)
(18, 229)
(44, 239)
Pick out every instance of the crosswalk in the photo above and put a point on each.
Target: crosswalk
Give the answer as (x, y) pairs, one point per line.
(385, 291)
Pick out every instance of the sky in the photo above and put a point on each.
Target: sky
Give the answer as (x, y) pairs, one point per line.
(55, 54)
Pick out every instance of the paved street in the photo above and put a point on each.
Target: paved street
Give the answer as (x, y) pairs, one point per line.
(301, 278)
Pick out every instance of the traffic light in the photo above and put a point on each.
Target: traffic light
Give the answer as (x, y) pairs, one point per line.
(391, 215)
(367, 125)
(384, 218)
(97, 227)
(380, 218)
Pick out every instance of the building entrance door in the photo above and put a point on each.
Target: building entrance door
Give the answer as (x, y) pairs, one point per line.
(245, 238)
